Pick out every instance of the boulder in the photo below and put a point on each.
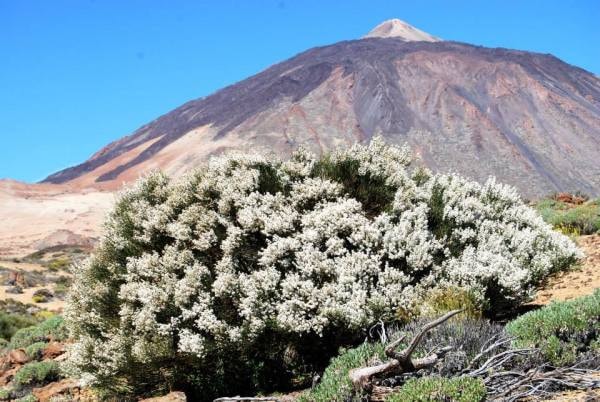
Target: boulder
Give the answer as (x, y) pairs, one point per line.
(51, 391)
(16, 278)
(53, 350)
(15, 290)
(17, 356)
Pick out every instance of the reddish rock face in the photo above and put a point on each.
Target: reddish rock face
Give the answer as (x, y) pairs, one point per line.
(17, 356)
(53, 350)
(66, 387)
(527, 118)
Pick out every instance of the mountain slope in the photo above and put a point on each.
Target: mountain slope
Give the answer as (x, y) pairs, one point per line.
(527, 118)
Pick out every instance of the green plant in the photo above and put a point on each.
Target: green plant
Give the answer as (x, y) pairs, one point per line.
(561, 330)
(5, 394)
(59, 264)
(37, 373)
(11, 323)
(335, 384)
(52, 328)
(435, 389)
(442, 300)
(579, 219)
(34, 351)
(39, 299)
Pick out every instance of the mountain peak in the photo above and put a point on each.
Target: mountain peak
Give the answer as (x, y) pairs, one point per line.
(396, 28)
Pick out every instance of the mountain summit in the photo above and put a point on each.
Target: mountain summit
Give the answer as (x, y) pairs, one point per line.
(529, 119)
(396, 28)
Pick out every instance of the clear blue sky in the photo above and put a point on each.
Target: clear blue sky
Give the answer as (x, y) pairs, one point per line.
(75, 75)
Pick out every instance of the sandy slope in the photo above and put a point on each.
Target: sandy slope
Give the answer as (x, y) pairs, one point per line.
(34, 216)
(579, 282)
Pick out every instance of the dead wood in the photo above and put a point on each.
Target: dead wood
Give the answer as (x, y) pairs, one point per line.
(401, 362)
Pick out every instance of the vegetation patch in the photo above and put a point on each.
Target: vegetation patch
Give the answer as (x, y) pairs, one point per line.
(562, 330)
(11, 323)
(36, 373)
(435, 389)
(579, 218)
(51, 329)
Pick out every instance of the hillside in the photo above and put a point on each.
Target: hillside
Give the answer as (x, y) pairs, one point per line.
(529, 119)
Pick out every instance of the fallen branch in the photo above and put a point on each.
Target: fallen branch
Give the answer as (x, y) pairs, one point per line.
(401, 362)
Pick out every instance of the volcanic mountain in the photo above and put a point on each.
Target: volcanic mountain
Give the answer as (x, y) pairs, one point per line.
(529, 119)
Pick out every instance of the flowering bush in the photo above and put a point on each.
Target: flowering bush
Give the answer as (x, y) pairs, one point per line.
(254, 260)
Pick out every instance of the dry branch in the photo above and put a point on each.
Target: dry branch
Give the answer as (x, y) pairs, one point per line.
(401, 362)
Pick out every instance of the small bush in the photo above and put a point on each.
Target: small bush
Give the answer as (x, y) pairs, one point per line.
(335, 384)
(59, 264)
(52, 328)
(574, 219)
(435, 389)
(4, 394)
(562, 330)
(34, 351)
(443, 300)
(36, 373)
(39, 299)
(467, 337)
(11, 323)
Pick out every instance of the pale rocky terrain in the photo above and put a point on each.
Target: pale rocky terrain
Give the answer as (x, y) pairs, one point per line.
(42, 215)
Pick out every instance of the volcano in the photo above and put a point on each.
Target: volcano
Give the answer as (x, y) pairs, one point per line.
(529, 119)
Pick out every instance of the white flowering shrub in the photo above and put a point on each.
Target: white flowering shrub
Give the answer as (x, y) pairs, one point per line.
(218, 279)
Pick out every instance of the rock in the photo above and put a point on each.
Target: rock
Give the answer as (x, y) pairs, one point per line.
(7, 375)
(17, 356)
(569, 198)
(45, 394)
(16, 279)
(53, 350)
(15, 290)
(171, 397)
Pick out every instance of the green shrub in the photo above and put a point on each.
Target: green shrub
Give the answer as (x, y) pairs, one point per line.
(434, 389)
(10, 323)
(572, 219)
(561, 330)
(39, 299)
(335, 384)
(4, 394)
(52, 328)
(443, 300)
(59, 264)
(34, 351)
(36, 373)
